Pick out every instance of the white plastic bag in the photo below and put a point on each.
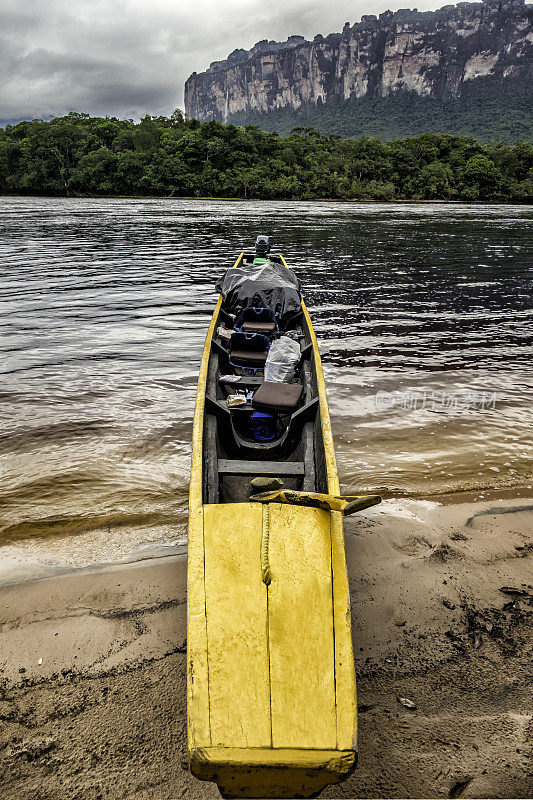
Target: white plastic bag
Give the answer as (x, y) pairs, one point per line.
(282, 358)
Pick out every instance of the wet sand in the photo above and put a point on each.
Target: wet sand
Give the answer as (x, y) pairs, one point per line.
(103, 714)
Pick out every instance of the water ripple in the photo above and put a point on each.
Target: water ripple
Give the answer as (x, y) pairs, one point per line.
(104, 306)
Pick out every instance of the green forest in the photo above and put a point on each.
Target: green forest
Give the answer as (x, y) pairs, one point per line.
(482, 111)
(78, 155)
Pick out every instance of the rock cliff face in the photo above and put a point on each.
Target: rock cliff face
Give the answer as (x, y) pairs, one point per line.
(437, 54)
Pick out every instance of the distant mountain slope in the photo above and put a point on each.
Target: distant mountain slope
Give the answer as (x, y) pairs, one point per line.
(465, 69)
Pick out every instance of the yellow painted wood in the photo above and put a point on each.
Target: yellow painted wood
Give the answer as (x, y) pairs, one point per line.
(195, 489)
(308, 759)
(346, 504)
(302, 674)
(346, 692)
(237, 645)
(251, 648)
(197, 672)
(197, 677)
(325, 422)
(271, 773)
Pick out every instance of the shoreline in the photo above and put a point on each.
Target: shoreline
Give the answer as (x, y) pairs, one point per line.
(30, 571)
(92, 700)
(341, 200)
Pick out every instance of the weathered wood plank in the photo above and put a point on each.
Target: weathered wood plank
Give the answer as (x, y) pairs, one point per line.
(237, 647)
(197, 675)
(346, 695)
(281, 773)
(240, 467)
(197, 680)
(302, 673)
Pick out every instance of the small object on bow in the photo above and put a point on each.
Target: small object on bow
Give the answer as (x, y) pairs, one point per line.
(265, 484)
(224, 333)
(236, 400)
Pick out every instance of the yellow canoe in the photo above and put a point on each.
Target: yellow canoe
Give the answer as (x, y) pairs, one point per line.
(272, 708)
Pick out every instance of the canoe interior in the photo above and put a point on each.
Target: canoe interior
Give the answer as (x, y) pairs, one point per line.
(230, 454)
(270, 673)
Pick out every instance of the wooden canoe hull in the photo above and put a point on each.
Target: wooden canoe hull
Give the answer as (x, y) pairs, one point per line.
(256, 772)
(272, 708)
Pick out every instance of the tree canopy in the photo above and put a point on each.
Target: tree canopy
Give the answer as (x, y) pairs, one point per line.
(488, 110)
(79, 155)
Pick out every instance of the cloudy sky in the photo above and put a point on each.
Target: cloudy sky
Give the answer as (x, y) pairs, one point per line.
(126, 58)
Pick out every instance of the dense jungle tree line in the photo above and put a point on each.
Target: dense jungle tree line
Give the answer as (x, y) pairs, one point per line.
(78, 155)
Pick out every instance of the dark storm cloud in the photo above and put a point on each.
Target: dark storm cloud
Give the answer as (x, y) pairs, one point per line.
(127, 58)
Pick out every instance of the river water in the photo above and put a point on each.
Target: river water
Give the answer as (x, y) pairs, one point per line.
(422, 312)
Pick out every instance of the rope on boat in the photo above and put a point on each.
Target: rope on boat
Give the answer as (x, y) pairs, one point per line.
(265, 543)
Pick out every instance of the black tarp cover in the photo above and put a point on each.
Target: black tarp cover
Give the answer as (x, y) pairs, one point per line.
(269, 285)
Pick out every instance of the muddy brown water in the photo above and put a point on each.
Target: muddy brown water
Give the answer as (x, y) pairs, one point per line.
(422, 312)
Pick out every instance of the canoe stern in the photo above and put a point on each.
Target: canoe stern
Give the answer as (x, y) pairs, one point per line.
(271, 773)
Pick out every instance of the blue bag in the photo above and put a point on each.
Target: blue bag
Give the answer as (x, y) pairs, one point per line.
(264, 426)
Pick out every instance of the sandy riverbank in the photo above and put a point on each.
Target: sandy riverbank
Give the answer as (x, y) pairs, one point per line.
(103, 714)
